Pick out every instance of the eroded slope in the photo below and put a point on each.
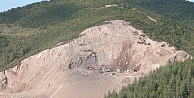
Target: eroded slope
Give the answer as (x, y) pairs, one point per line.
(64, 70)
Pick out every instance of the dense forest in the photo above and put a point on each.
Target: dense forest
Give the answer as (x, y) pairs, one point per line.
(179, 10)
(173, 81)
(25, 31)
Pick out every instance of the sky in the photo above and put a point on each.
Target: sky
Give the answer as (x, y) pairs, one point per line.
(8, 4)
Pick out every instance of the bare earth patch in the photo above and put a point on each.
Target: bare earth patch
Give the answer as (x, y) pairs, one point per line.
(102, 59)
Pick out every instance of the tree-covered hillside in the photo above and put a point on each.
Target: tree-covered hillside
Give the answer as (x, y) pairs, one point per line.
(27, 30)
(33, 28)
(173, 81)
(179, 10)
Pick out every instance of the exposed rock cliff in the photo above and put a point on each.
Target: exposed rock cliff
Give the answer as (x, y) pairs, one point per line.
(114, 44)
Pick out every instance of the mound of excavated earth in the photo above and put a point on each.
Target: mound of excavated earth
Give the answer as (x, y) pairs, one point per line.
(80, 68)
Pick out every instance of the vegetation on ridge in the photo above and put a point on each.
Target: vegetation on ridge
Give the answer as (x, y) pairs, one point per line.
(178, 10)
(58, 21)
(173, 81)
(27, 30)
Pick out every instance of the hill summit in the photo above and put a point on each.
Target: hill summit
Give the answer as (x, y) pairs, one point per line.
(70, 69)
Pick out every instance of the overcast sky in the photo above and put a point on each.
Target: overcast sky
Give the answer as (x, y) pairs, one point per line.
(8, 4)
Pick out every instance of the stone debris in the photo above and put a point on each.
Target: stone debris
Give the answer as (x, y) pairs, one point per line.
(107, 49)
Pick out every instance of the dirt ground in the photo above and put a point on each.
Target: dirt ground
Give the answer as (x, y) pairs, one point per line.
(63, 71)
(78, 86)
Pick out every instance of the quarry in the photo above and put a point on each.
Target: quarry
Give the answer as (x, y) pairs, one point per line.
(102, 59)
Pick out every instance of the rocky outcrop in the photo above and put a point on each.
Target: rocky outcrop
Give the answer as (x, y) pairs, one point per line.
(114, 44)
(118, 44)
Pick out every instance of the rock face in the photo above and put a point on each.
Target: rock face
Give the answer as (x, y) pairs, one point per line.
(114, 44)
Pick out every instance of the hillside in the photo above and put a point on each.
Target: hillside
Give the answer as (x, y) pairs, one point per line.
(28, 30)
(173, 81)
(88, 65)
(178, 10)
(58, 21)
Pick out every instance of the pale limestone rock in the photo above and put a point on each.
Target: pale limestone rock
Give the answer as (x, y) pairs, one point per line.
(113, 44)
